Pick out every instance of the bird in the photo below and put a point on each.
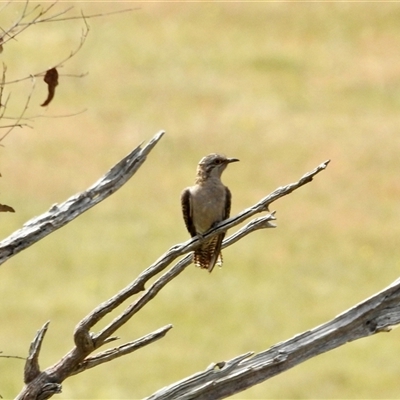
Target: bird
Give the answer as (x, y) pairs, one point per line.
(206, 204)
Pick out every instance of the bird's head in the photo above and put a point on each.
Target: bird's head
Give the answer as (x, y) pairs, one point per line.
(213, 165)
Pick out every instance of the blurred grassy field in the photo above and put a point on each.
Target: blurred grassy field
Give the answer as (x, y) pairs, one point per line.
(281, 86)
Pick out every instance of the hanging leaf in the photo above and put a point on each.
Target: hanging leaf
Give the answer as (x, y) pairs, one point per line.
(4, 208)
(51, 78)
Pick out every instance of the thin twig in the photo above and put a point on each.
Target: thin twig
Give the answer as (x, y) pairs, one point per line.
(84, 35)
(16, 26)
(3, 79)
(19, 26)
(52, 19)
(16, 125)
(33, 117)
(15, 357)
(28, 99)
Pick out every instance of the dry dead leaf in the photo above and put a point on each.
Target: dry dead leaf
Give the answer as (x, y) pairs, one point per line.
(4, 208)
(51, 78)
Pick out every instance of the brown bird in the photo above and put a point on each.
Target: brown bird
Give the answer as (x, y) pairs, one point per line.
(204, 205)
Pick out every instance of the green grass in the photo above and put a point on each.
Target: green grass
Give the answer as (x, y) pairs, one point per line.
(281, 86)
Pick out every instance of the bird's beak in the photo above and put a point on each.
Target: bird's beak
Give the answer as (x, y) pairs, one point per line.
(229, 160)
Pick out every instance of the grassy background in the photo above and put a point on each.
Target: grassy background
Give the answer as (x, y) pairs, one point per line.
(282, 86)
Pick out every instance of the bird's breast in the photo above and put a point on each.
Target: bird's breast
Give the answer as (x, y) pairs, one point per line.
(208, 206)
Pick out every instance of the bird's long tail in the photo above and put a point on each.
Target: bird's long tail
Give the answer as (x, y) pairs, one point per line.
(209, 254)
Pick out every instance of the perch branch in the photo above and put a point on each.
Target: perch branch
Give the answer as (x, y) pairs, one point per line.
(61, 214)
(82, 331)
(151, 292)
(223, 379)
(77, 360)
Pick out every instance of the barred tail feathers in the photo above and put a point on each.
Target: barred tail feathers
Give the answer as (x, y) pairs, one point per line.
(209, 254)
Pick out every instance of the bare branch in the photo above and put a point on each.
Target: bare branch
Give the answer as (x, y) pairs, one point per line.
(164, 279)
(77, 359)
(33, 117)
(374, 315)
(3, 79)
(54, 19)
(59, 215)
(15, 357)
(82, 334)
(85, 33)
(27, 17)
(32, 369)
(18, 27)
(122, 350)
(28, 99)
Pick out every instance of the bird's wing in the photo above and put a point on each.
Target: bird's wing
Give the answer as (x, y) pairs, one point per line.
(227, 203)
(187, 211)
(217, 241)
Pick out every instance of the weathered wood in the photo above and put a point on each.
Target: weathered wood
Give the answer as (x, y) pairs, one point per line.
(32, 369)
(61, 214)
(223, 379)
(173, 253)
(119, 351)
(42, 385)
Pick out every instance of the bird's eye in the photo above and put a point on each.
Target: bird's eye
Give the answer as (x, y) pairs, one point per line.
(218, 161)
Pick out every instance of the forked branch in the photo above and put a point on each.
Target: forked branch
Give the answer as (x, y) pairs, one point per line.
(79, 358)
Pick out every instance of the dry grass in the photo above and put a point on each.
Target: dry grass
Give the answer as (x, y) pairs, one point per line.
(280, 86)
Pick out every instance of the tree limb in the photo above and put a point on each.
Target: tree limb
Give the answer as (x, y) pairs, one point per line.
(61, 214)
(223, 379)
(82, 332)
(120, 351)
(77, 359)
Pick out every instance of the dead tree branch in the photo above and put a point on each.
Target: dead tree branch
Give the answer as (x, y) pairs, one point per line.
(32, 369)
(82, 332)
(45, 384)
(223, 379)
(61, 214)
(122, 350)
